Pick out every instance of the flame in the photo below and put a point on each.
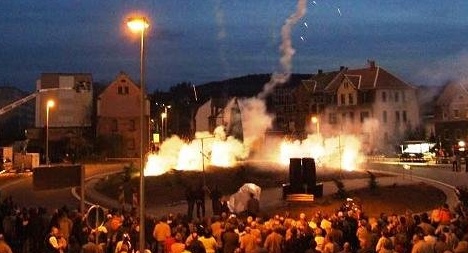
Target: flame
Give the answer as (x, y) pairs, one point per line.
(339, 152)
(342, 152)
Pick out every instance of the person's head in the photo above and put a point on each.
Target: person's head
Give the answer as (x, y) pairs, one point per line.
(54, 231)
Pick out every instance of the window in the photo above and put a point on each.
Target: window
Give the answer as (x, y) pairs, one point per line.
(115, 125)
(397, 96)
(403, 96)
(343, 117)
(126, 89)
(384, 116)
(342, 99)
(351, 99)
(384, 96)
(386, 137)
(404, 116)
(364, 116)
(397, 116)
(131, 144)
(351, 117)
(332, 118)
(456, 113)
(131, 125)
(119, 90)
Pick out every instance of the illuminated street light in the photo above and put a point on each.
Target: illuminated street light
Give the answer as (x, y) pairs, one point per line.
(166, 119)
(315, 121)
(163, 118)
(50, 104)
(140, 25)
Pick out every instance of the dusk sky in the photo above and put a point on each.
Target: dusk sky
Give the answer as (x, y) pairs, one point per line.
(422, 42)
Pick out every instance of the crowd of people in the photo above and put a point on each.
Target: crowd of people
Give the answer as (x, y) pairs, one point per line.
(347, 230)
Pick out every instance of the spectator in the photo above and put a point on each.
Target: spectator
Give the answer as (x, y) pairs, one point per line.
(4, 247)
(253, 206)
(161, 232)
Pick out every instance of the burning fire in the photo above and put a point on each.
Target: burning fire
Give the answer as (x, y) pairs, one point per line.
(342, 152)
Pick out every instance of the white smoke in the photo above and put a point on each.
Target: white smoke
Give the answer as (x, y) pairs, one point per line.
(287, 51)
(255, 120)
(452, 68)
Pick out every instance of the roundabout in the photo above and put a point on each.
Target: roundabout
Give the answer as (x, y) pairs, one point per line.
(429, 185)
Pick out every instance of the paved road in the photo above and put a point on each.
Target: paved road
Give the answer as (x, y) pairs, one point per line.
(24, 195)
(440, 176)
(21, 189)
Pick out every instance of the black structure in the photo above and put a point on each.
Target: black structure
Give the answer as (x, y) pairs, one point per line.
(302, 178)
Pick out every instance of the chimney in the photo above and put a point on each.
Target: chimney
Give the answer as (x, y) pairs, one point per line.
(371, 64)
(320, 72)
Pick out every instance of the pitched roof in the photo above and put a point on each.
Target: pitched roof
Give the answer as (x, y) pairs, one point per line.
(451, 90)
(369, 78)
(375, 77)
(319, 82)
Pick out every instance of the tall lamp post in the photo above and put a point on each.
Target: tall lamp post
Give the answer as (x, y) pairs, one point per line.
(139, 25)
(50, 104)
(166, 119)
(163, 119)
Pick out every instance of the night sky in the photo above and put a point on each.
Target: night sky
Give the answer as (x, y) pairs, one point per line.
(423, 42)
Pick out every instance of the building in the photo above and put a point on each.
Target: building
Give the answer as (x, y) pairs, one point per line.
(118, 119)
(368, 102)
(70, 119)
(451, 114)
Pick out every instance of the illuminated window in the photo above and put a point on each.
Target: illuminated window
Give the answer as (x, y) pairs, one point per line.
(364, 116)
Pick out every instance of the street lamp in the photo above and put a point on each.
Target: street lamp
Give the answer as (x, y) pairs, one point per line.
(163, 119)
(140, 25)
(315, 120)
(50, 104)
(166, 119)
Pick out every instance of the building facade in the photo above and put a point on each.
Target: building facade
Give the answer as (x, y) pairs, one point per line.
(70, 121)
(369, 102)
(118, 119)
(451, 115)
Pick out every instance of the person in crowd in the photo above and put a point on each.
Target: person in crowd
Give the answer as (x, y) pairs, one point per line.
(190, 198)
(253, 206)
(215, 196)
(54, 242)
(124, 245)
(178, 246)
(209, 242)
(161, 232)
(230, 239)
(4, 247)
(200, 201)
(274, 242)
(91, 246)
